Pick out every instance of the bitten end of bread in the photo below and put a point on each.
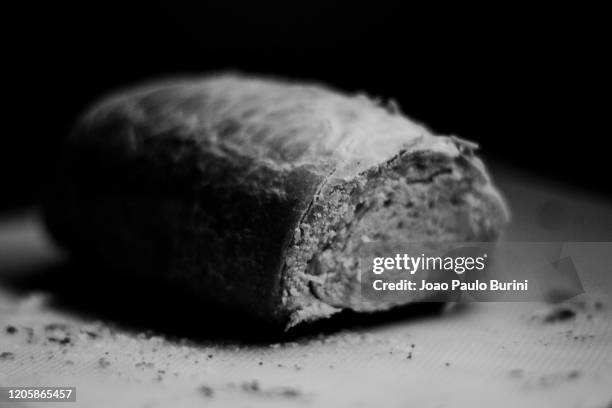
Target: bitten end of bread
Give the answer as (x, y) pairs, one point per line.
(422, 196)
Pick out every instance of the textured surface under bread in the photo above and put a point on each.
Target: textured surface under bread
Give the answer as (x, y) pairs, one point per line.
(205, 181)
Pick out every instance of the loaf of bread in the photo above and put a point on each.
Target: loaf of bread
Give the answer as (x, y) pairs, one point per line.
(259, 193)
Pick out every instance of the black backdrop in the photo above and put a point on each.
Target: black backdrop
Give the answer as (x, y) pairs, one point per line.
(529, 85)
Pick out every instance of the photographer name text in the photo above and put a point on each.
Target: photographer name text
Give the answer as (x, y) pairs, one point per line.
(455, 284)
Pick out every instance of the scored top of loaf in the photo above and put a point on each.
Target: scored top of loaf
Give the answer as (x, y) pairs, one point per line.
(278, 123)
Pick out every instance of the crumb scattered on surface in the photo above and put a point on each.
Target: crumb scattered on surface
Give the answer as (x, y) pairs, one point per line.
(103, 362)
(571, 334)
(206, 391)
(58, 333)
(91, 334)
(254, 387)
(553, 379)
(559, 314)
(6, 355)
(568, 311)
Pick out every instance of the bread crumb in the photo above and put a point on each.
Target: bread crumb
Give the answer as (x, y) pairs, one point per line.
(103, 362)
(207, 391)
(7, 356)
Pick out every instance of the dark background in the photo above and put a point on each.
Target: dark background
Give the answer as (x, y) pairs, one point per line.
(530, 85)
